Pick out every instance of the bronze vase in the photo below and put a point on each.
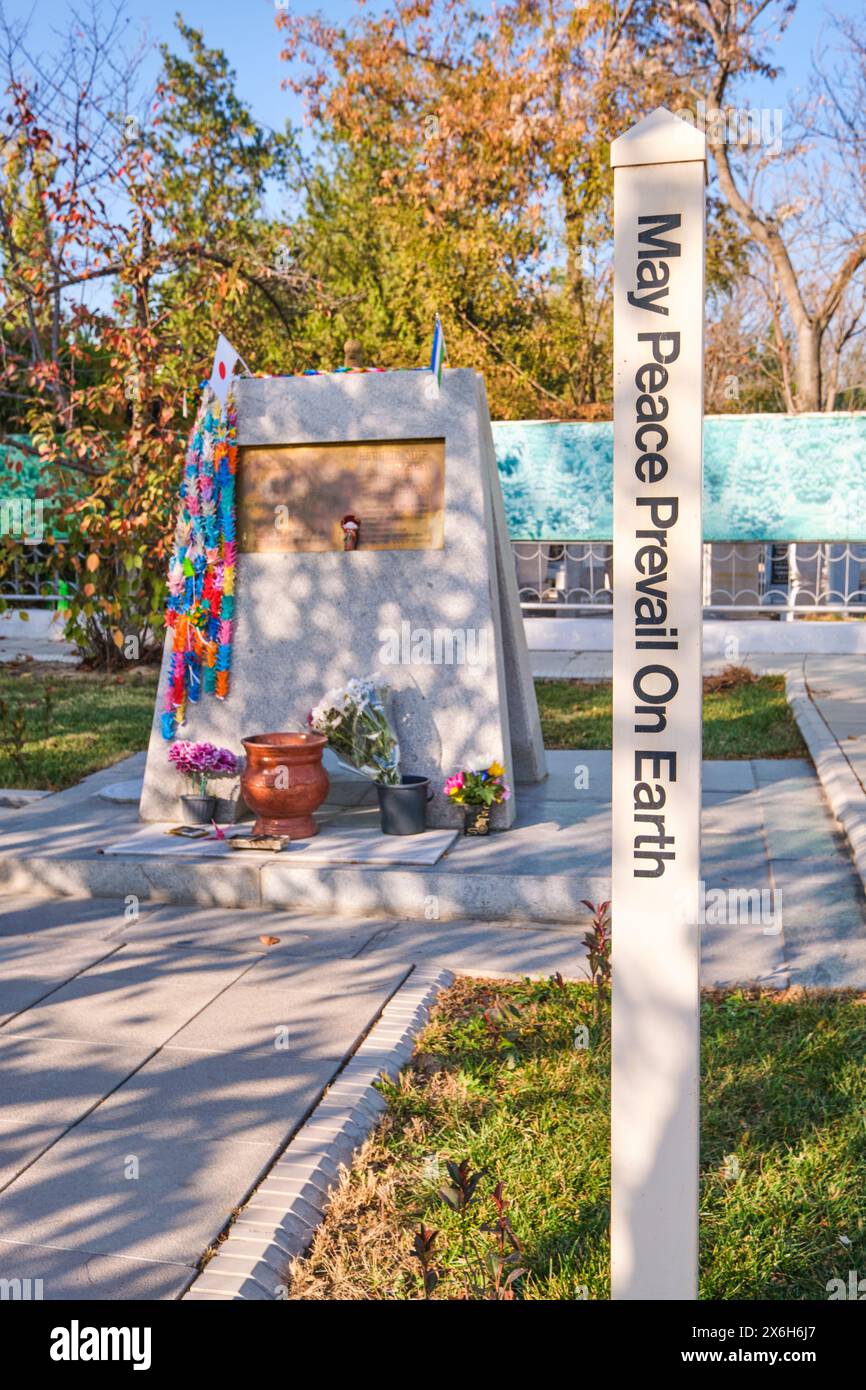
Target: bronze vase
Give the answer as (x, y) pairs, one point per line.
(283, 782)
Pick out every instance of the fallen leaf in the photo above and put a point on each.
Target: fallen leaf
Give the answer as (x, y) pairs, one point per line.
(269, 940)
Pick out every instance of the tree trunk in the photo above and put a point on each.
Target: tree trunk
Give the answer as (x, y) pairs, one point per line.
(808, 366)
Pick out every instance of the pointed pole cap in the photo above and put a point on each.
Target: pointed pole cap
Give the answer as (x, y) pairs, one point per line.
(660, 138)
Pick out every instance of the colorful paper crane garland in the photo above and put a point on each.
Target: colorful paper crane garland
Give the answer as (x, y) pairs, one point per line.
(201, 578)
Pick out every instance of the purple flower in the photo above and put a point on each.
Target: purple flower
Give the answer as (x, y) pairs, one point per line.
(200, 760)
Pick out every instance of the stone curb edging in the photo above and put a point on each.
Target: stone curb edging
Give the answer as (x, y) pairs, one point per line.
(280, 1219)
(837, 777)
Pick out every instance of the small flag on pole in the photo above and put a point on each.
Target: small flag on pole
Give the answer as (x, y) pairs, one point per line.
(439, 353)
(224, 361)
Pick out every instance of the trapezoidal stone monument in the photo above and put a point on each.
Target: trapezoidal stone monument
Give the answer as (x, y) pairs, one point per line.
(428, 598)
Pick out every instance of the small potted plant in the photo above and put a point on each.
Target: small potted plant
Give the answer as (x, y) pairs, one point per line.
(477, 792)
(198, 762)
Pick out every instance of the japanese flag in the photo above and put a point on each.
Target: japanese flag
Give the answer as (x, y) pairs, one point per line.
(224, 361)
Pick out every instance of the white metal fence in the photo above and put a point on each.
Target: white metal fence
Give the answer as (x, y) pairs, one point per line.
(576, 578)
(755, 577)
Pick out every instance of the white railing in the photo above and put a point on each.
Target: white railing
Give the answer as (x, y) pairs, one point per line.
(576, 578)
(790, 580)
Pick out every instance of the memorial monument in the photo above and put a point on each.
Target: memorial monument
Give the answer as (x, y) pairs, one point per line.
(371, 537)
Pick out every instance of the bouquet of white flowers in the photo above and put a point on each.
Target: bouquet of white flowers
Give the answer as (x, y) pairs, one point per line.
(356, 725)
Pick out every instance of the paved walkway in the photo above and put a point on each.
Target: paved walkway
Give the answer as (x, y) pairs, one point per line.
(152, 1070)
(155, 1062)
(15, 647)
(155, 1059)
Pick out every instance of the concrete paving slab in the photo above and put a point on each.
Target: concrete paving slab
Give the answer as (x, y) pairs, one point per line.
(590, 768)
(140, 995)
(362, 844)
(742, 953)
(47, 1087)
(32, 970)
(154, 1171)
(84, 1195)
(729, 955)
(548, 844)
(256, 1094)
(824, 922)
(736, 874)
(286, 1002)
(43, 919)
(734, 854)
(797, 822)
(214, 929)
(78, 1276)
(854, 748)
(818, 885)
(782, 770)
(482, 948)
(732, 818)
(727, 776)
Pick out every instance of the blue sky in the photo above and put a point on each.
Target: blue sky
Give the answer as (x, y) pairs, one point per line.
(245, 29)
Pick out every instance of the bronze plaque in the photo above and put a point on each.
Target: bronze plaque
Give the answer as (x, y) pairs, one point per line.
(294, 496)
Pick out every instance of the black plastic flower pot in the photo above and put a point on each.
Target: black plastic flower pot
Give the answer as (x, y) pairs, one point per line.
(403, 808)
(198, 810)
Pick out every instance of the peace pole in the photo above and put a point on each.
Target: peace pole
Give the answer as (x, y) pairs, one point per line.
(658, 326)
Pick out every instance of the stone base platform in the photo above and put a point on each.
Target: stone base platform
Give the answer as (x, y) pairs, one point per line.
(539, 871)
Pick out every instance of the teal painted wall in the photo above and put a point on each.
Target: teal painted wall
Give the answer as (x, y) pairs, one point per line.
(766, 478)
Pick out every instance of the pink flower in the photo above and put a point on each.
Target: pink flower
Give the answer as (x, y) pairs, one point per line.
(201, 759)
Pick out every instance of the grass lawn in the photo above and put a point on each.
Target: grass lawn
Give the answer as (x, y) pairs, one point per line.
(93, 719)
(747, 720)
(70, 723)
(783, 1154)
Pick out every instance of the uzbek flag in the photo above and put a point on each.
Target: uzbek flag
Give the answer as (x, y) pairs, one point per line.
(438, 354)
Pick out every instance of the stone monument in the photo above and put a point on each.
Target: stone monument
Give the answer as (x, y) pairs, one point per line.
(425, 594)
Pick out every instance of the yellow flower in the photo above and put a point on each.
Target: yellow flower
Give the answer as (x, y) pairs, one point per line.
(495, 769)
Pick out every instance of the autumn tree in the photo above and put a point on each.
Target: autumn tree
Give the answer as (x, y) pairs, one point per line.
(481, 143)
(131, 231)
(804, 205)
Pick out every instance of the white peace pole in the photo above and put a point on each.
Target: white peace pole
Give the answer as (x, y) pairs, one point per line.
(659, 174)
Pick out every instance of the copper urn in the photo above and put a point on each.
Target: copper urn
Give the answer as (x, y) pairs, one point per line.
(284, 782)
